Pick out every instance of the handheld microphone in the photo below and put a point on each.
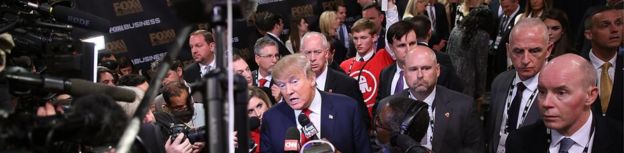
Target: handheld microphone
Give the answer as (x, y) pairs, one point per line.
(75, 87)
(307, 127)
(71, 16)
(407, 144)
(318, 146)
(291, 142)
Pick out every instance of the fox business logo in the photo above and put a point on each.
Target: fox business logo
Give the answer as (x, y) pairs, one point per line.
(162, 37)
(302, 11)
(116, 46)
(125, 7)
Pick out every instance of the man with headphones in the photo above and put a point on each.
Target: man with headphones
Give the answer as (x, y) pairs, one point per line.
(454, 125)
(400, 115)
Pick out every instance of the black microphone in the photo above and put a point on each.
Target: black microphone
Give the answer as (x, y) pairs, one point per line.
(254, 123)
(75, 87)
(407, 144)
(291, 141)
(307, 127)
(71, 16)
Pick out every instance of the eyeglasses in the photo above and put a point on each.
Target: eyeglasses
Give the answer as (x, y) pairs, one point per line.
(275, 56)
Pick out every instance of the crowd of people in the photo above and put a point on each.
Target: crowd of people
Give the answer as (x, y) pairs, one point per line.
(455, 76)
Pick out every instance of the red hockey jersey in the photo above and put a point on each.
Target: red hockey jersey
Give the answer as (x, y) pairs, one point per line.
(367, 74)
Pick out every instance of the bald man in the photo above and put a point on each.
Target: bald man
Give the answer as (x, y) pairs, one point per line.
(567, 87)
(454, 125)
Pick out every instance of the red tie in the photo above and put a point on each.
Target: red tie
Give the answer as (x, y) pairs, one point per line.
(262, 82)
(303, 137)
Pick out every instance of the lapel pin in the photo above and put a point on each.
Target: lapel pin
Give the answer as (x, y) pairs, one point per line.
(447, 114)
(330, 90)
(331, 117)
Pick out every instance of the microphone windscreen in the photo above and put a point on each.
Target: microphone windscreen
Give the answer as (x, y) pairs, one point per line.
(318, 146)
(303, 119)
(291, 141)
(292, 133)
(254, 123)
(80, 19)
(82, 87)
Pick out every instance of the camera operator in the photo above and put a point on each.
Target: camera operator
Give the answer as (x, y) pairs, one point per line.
(179, 109)
(392, 114)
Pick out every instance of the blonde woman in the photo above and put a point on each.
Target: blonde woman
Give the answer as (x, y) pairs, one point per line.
(328, 23)
(415, 7)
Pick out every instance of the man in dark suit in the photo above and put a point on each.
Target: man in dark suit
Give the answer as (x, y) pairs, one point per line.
(316, 48)
(272, 25)
(266, 55)
(203, 49)
(567, 90)
(447, 78)
(335, 117)
(498, 55)
(401, 38)
(513, 97)
(373, 12)
(437, 15)
(604, 30)
(455, 125)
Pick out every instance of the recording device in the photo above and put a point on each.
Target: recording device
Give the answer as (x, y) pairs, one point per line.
(193, 134)
(93, 120)
(407, 144)
(318, 146)
(71, 16)
(291, 141)
(307, 127)
(74, 87)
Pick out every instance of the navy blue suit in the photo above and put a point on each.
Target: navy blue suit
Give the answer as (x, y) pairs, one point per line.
(341, 124)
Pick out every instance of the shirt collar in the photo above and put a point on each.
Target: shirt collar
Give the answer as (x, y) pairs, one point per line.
(429, 99)
(597, 62)
(315, 106)
(531, 83)
(367, 56)
(320, 80)
(580, 137)
(269, 33)
(211, 64)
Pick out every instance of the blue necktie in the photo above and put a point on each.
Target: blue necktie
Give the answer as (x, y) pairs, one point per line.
(565, 145)
(399, 85)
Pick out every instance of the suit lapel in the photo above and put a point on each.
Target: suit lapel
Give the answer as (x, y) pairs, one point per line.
(502, 99)
(327, 116)
(391, 72)
(442, 116)
(330, 79)
(290, 113)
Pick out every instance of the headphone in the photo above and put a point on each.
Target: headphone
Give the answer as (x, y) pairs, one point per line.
(413, 110)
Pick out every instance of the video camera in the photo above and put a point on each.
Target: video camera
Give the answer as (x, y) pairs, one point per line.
(193, 134)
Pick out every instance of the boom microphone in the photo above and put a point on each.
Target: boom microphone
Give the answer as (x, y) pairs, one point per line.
(291, 142)
(307, 127)
(75, 87)
(72, 16)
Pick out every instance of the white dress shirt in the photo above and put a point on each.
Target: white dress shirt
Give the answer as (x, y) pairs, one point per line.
(395, 79)
(321, 79)
(597, 63)
(315, 114)
(429, 100)
(531, 87)
(268, 78)
(204, 69)
(581, 138)
(367, 56)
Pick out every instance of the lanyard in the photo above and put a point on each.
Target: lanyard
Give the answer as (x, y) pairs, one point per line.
(525, 111)
(589, 139)
(363, 66)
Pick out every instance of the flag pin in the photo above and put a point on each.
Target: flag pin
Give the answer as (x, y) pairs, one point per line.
(447, 114)
(331, 117)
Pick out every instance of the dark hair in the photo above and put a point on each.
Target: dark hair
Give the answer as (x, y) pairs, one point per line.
(422, 25)
(109, 117)
(106, 70)
(110, 64)
(562, 45)
(548, 4)
(480, 18)
(265, 21)
(131, 80)
(175, 89)
(398, 30)
(294, 35)
(588, 19)
(399, 107)
(372, 6)
(207, 35)
(125, 62)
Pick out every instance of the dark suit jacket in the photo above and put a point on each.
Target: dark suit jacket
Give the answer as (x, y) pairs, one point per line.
(457, 126)
(283, 51)
(532, 138)
(192, 73)
(498, 98)
(615, 105)
(498, 58)
(341, 124)
(340, 83)
(442, 25)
